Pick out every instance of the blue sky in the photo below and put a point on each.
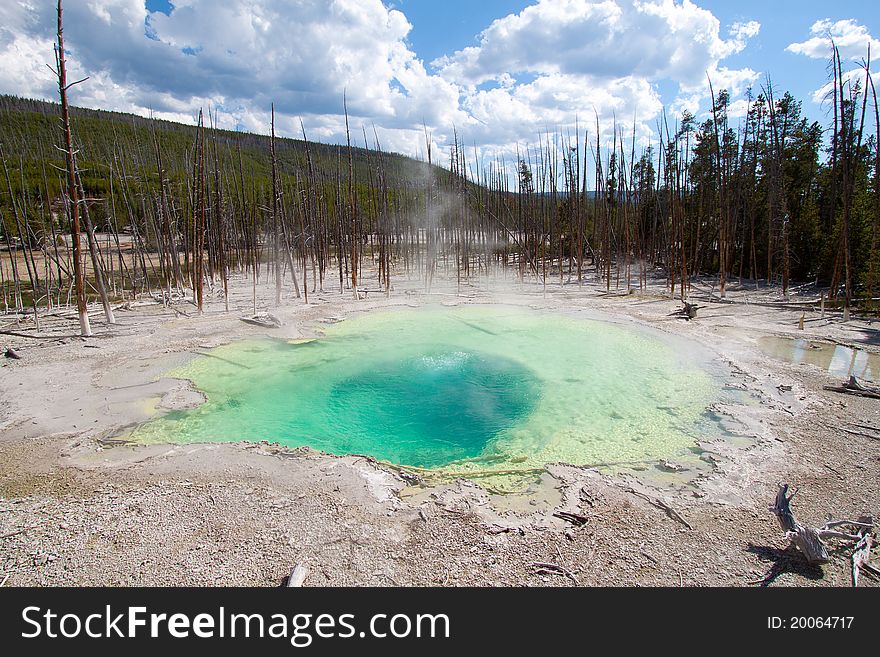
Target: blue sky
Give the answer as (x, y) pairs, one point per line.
(784, 22)
(499, 73)
(444, 27)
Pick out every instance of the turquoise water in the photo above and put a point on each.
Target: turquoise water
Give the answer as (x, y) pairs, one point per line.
(429, 409)
(466, 390)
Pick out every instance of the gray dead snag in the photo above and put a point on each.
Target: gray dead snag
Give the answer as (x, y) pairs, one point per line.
(71, 199)
(807, 539)
(97, 267)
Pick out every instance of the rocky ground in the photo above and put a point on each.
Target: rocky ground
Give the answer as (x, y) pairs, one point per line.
(77, 507)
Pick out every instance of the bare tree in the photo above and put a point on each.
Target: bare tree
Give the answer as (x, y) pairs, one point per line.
(72, 196)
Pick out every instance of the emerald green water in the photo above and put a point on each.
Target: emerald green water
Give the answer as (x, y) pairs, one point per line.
(464, 390)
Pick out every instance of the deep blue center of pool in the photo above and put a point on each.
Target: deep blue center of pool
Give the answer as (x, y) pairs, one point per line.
(432, 408)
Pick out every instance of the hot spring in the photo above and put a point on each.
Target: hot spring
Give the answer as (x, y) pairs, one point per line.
(458, 390)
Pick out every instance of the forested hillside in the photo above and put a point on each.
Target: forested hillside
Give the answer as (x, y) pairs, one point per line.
(768, 199)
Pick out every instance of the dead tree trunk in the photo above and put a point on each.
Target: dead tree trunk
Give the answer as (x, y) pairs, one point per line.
(353, 207)
(100, 283)
(73, 202)
(808, 540)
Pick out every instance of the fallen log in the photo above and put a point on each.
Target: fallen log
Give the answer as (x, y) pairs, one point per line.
(865, 426)
(226, 360)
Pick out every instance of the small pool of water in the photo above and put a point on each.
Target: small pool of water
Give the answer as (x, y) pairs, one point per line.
(835, 359)
(469, 390)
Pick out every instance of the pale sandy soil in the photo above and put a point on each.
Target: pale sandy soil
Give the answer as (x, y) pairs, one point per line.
(78, 509)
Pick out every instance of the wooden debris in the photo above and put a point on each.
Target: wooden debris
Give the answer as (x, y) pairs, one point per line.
(542, 567)
(861, 554)
(19, 334)
(11, 353)
(866, 426)
(645, 554)
(18, 531)
(574, 518)
(409, 477)
(687, 312)
(859, 433)
(586, 497)
(297, 576)
(660, 504)
(226, 360)
(854, 387)
(807, 539)
(266, 320)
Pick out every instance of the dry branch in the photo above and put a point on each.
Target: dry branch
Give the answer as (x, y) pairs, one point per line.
(660, 504)
(542, 567)
(859, 433)
(18, 531)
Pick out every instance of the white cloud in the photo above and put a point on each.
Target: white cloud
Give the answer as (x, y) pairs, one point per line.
(736, 81)
(744, 31)
(608, 39)
(851, 38)
(581, 56)
(852, 77)
(23, 62)
(240, 55)
(545, 68)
